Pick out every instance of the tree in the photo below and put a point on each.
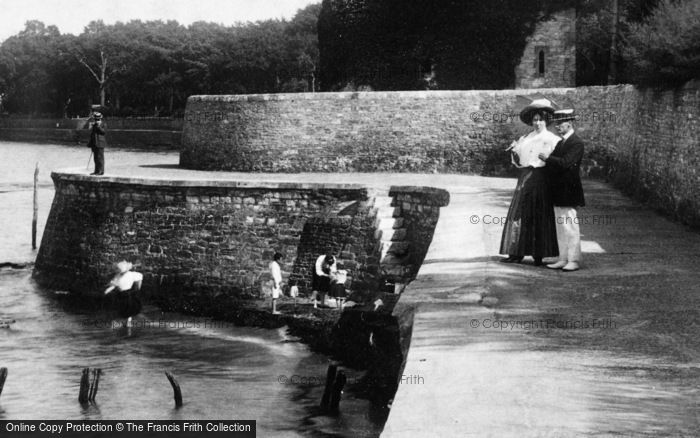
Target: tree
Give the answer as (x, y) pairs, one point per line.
(302, 46)
(25, 73)
(98, 51)
(602, 28)
(396, 44)
(664, 50)
(152, 67)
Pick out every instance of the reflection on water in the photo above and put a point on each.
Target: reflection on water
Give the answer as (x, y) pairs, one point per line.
(225, 372)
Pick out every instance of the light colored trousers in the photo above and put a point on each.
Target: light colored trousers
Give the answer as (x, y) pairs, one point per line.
(568, 234)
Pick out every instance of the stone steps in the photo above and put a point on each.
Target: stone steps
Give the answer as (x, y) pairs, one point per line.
(395, 273)
(390, 233)
(396, 247)
(388, 223)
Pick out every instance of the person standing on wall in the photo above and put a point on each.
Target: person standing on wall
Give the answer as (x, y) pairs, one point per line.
(97, 143)
(563, 167)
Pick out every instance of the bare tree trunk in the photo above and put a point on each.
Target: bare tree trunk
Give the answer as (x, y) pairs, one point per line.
(102, 77)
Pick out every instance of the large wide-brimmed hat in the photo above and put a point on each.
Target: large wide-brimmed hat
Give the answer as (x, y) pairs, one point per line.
(563, 115)
(537, 105)
(124, 266)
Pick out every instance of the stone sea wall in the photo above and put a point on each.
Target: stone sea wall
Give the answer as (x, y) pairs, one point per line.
(644, 140)
(200, 242)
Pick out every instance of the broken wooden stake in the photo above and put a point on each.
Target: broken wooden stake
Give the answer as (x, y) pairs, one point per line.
(94, 384)
(338, 385)
(84, 386)
(3, 376)
(36, 205)
(330, 378)
(176, 389)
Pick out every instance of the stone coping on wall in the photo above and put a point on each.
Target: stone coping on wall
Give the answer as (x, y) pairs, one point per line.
(222, 182)
(350, 95)
(418, 184)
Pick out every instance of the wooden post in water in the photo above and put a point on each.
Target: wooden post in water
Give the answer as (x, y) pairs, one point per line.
(94, 384)
(330, 378)
(176, 389)
(36, 205)
(84, 386)
(338, 385)
(3, 376)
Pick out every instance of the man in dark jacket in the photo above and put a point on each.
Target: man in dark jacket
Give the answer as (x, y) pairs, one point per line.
(97, 143)
(562, 167)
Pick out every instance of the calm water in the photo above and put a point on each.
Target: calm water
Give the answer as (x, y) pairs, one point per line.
(225, 372)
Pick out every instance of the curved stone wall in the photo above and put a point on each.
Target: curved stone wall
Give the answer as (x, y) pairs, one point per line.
(341, 132)
(644, 140)
(197, 241)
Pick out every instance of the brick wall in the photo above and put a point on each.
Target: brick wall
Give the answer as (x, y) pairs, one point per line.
(644, 140)
(199, 242)
(339, 132)
(420, 209)
(350, 239)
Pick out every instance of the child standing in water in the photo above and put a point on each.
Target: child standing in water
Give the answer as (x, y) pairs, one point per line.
(127, 283)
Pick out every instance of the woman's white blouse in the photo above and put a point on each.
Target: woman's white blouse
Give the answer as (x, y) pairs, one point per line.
(529, 146)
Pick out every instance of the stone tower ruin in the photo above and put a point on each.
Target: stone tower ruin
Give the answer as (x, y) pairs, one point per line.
(549, 58)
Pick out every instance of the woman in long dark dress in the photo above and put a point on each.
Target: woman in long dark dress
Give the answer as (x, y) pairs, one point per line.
(529, 228)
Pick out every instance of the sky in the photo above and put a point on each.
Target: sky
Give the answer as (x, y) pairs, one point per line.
(71, 16)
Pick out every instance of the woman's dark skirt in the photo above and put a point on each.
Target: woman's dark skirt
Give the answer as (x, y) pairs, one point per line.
(530, 227)
(338, 291)
(320, 283)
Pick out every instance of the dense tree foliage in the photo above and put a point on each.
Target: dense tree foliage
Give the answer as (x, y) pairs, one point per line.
(665, 49)
(470, 44)
(150, 68)
(602, 30)
(413, 44)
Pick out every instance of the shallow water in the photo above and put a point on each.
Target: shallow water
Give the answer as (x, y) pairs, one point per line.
(225, 372)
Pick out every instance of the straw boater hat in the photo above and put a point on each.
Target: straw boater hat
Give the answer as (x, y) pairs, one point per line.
(97, 116)
(528, 112)
(563, 115)
(124, 266)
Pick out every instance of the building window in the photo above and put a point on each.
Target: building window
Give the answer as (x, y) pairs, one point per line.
(540, 63)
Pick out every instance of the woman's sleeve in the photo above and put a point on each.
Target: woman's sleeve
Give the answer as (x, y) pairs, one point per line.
(515, 152)
(319, 267)
(516, 162)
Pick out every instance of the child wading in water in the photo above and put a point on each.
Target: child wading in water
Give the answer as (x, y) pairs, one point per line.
(127, 283)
